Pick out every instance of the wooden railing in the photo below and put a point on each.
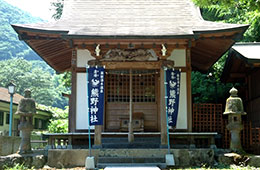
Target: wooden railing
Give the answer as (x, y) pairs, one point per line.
(209, 118)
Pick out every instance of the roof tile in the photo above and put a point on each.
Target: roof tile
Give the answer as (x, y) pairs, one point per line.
(131, 17)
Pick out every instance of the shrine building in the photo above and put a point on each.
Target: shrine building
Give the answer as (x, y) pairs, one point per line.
(134, 40)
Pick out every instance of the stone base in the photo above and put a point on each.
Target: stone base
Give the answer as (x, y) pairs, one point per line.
(76, 157)
(35, 160)
(9, 145)
(237, 159)
(254, 161)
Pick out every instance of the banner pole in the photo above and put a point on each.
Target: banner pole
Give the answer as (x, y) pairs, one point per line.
(89, 136)
(166, 104)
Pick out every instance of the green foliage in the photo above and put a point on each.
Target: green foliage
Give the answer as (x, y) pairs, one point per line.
(227, 4)
(10, 45)
(66, 79)
(221, 167)
(46, 87)
(18, 167)
(58, 8)
(207, 89)
(59, 121)
(234, 11)
(228, 11)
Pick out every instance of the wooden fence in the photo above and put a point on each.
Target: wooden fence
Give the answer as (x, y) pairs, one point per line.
(210, 118)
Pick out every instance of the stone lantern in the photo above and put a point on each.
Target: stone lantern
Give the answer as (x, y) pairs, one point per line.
(234, 109)
(26, 110)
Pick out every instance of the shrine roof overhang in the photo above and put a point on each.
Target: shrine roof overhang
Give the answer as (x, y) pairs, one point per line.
(55, 46)
(243, 58)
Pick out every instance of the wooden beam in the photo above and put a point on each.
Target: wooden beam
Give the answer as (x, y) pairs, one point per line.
(97, 137)
(180, 42)
(52, 49)
(83, 69)
(189, 93)
(73, 98)
(132, 65)
(256, 64)
(59, 53)
(162, 110)
(130, 126)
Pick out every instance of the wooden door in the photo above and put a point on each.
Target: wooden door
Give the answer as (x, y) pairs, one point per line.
(144, 84)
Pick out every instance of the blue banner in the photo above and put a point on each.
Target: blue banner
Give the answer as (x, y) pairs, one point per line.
(95, 95)
(172, 94)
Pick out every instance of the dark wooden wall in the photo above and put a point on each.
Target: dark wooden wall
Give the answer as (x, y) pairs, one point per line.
(254, 98)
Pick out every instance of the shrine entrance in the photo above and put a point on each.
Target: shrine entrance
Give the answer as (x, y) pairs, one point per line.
(142, 87)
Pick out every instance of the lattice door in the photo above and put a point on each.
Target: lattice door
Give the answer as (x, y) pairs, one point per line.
(144, 92)
(118, 85)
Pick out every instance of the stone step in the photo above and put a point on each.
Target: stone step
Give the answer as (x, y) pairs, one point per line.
(130, 145)
(136, 139)
(131, 160)
(132, 168)
(104, 165)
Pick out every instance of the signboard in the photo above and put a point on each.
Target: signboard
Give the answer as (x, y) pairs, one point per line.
(172, 95)
(95, 90)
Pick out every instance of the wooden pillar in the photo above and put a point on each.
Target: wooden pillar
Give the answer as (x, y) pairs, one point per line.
(73, 96)
(97, 137)
(189, 94)
(130, 128)
(162, 110)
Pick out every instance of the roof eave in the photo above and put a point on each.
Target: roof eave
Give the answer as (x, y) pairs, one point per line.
(18, 28)
(244, 58)
(77, 36)
(243, 28)
(238, 37)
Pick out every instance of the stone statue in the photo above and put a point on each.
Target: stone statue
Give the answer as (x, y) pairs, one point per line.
(234, 109)
(26, 110)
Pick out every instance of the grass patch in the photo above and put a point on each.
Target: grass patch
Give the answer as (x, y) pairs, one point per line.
(18, 167)
(220, 167)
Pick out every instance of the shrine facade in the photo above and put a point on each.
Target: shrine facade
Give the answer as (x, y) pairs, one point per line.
(134, 40)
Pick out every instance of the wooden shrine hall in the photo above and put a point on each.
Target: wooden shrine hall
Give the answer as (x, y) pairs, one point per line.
(134, 40)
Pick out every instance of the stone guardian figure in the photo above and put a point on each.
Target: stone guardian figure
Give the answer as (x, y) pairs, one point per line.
(26, 110)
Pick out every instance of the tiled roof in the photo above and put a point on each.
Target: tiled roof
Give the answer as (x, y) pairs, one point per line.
(131, 17)
(5, 96)
(248, 50)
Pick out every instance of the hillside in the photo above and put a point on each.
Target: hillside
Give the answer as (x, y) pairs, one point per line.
(10, 45)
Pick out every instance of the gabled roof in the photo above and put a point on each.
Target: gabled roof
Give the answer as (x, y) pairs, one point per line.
(242, 58)
(131, 18)
(105, 21)
(248, 51)
(5, 97)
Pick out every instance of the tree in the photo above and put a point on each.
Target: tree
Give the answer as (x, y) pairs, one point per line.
(228, 4)
(59, 120)
(229, 11)
(234, 11)
(58, 8)
(46, 87)
(10, 45)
